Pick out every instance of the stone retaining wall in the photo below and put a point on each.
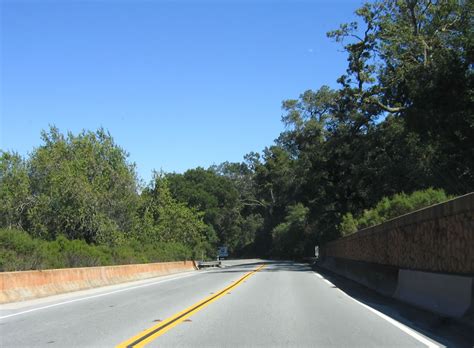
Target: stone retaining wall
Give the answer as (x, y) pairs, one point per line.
(439, 238)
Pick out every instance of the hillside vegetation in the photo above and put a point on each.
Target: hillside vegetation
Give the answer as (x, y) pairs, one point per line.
(389, 208)
(401, 120)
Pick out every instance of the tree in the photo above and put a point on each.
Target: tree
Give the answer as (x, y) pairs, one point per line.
(82, 186)
(215, 195)
(15, 197)
(394, 124)
(289, 236)
(164, 219)
(413, 59)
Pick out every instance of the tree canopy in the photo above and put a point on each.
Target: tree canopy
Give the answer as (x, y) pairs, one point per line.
(401, 120)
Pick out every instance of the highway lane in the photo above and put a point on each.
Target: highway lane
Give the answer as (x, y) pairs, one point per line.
(281, 304)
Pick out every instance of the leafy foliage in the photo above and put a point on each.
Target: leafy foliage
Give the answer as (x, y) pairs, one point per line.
(77, 196)
(164, 219)
(288, 238)
(20, 251)
(82, 187)
(14, 190)
(221, 194)
(389, 208)
(401, 120)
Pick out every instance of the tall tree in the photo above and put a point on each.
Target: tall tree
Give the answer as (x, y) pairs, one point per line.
(82, 186)
(15, 197)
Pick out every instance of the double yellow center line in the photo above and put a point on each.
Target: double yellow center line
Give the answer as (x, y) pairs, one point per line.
(152, 333)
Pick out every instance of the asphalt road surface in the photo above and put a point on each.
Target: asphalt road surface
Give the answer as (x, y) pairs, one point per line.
(244, 304)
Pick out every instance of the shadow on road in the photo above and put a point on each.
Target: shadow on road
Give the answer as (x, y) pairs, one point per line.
(444, 330)
(447, 331)
(270, 266)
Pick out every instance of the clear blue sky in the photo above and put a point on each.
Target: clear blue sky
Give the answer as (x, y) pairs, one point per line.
(179, 84)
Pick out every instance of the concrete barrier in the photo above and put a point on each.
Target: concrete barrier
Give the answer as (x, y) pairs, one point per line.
(381, 278)
(446, 294)
(425, 258)
(25, 285)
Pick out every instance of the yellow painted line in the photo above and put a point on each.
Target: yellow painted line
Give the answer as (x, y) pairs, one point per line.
(145, 337)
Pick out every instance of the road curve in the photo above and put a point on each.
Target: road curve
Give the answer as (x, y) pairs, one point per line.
(246, 303)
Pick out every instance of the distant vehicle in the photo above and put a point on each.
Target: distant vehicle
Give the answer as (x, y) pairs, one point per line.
(222, 253)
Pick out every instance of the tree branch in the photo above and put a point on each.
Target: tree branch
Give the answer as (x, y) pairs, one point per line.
(253, 202)
(386, 107)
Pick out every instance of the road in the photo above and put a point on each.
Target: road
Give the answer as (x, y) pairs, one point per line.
(245, 303)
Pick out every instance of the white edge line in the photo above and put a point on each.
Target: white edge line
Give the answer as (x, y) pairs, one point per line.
(401, 326)
(392, 321)
(98, 295)
(328, 282)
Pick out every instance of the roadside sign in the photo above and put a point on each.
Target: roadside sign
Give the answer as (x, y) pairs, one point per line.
(222, 252)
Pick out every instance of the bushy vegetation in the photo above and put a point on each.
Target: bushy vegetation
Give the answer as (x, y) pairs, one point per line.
(219, 193)
(78, 200)
(20, 251)
(401, 120)
(289, 236)
(389, 208)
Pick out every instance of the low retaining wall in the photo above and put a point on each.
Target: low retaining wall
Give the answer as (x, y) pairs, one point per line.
(439, 238)
(446, 294)
(25, 285)
(425, 258)
(383, 279)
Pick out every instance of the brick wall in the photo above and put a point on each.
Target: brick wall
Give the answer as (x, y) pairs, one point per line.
(439, 238)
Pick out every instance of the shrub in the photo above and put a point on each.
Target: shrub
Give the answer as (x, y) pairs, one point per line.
(19, 251)
(389, 208)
